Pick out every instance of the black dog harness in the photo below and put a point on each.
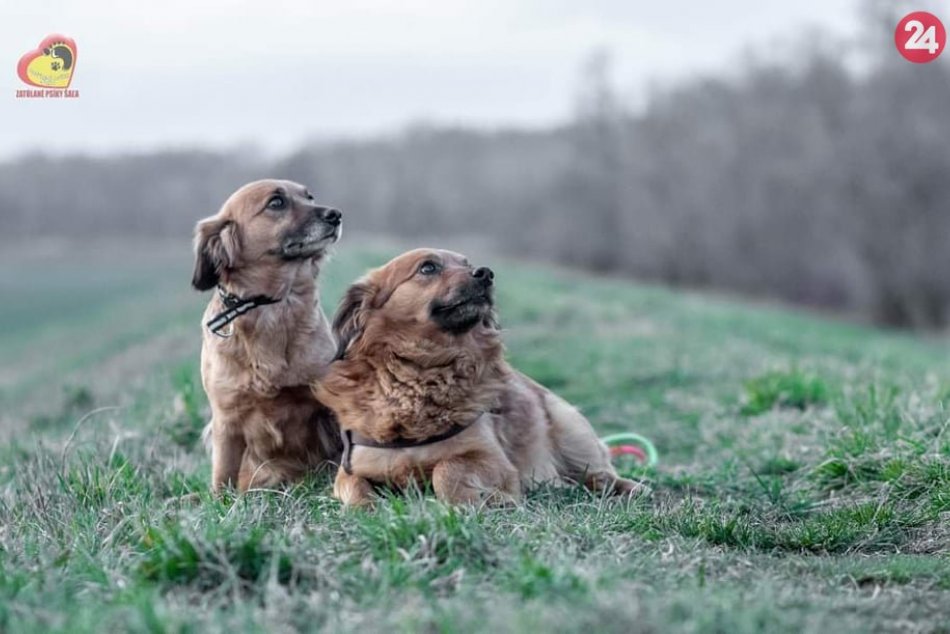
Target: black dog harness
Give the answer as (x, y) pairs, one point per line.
(352, 439)
(234, 307)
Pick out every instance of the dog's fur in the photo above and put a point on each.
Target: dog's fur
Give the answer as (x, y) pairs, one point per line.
(419, 352)
(266, 427)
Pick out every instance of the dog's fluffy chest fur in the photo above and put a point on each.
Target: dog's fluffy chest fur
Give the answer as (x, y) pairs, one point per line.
(260, 375)
(258, 384)
(421, 402)
(397, 394)
(279, 347)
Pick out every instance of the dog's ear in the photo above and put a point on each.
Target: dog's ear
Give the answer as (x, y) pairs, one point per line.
(217, 246)
(350, 318)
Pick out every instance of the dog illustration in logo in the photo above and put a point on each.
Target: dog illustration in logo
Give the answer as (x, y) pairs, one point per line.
(61, 56)
(51, 64)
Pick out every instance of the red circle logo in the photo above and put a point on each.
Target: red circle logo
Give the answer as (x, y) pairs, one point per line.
(920, 37)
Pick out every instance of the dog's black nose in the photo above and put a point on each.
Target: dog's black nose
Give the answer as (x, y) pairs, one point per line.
(484, 275)
(333, 216)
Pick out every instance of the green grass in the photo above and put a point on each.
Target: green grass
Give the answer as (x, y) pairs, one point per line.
(783, 389)
(804, 482)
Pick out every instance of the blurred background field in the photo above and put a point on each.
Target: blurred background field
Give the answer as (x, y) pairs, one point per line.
(808, 167)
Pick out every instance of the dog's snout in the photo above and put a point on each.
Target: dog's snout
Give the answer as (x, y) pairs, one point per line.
(330, 215)
(484, 275)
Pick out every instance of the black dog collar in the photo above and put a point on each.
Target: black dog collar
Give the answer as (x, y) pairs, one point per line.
(352, 439)
(234, 307)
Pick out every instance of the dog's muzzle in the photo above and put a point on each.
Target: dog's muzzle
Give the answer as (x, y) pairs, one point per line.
(314, 238)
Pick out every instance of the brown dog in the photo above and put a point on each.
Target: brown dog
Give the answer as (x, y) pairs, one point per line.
(423, 393)
(265, 336)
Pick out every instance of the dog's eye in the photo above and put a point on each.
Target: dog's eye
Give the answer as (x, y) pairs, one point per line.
(429, 268)
(277, 202)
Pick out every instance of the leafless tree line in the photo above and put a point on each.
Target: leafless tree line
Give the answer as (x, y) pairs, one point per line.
(802, 181)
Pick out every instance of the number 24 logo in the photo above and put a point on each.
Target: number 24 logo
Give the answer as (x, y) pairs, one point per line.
(921, 39)
(926, 40)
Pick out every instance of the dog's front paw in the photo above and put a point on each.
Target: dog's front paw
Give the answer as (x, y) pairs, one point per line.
(353, 490)
(631, 488)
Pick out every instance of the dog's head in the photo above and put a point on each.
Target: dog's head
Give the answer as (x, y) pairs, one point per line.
(425, 293)
(267, 222)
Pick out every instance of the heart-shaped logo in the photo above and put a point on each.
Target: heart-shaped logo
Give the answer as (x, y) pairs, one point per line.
(51, 65)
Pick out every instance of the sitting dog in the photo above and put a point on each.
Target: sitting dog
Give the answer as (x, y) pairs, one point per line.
(266, 339)
(423, 393)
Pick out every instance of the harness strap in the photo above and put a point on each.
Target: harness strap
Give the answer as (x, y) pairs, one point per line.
(234, 307)
(352, 439)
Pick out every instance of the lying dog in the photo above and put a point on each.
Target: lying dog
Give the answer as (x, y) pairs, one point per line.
(265, 337)
(423, 393)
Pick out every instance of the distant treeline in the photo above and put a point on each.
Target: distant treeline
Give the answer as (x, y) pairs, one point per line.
(799, 181)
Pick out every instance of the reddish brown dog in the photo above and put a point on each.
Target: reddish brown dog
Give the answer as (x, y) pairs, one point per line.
(263, 251)
(424, 395)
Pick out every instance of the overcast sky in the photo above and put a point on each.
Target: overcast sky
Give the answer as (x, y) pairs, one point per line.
(274, 73)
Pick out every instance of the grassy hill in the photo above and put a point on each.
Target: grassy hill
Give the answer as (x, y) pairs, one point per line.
(804, 482)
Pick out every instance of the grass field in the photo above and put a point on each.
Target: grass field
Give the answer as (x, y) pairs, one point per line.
(804, 482)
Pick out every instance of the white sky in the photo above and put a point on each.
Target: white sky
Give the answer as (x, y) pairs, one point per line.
(274, 73)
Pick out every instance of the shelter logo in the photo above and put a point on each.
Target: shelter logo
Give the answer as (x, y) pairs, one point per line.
(49, 67)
